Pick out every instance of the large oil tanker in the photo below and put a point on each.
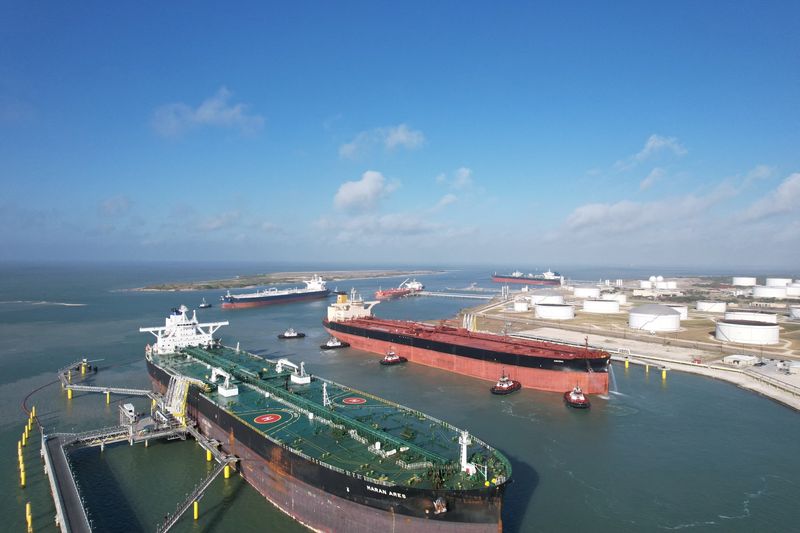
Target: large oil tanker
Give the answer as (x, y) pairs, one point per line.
(535, 364)
(315, 288)
(548, 278)
(332, 457)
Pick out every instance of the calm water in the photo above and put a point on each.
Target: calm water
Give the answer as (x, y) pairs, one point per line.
(690, 453)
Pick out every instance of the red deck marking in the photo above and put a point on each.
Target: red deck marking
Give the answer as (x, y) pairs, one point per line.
(269, 418)
(353, 400)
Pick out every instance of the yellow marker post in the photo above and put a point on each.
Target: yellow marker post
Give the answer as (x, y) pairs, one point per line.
(208, 456)
(69, 394)
(83, 369)
(663, 374)
(227, 472)
(24, 439)
(29, 517)
(108, 397)
(646, 369)
(627, 362)
(196, 510)
(22, 479)
(33, 411)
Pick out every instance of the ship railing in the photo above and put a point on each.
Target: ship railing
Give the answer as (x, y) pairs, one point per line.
(414, 466)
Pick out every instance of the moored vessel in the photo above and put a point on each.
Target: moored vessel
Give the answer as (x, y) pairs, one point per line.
(576, 398)
(204, 304)
(315, 288)
(536, 364)
(548, 278)
(407, 288)
(332, 457)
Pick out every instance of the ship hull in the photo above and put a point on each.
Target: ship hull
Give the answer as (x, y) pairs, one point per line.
(260, 301)
(543, 374)
(327, 500)
(527, 281)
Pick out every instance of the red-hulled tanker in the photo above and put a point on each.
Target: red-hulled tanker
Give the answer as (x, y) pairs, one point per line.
(535, 364)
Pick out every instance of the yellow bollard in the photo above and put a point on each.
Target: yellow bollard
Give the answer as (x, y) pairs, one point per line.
(24, 439)
(208, 456)
(627, 363)
(69, 394)
(22, 479)
(646, 369)
(227, 472)
(27, 433)
(83, 369)
(108, 397)
(19, 447)
(29, 517)
(663, 374)
(33, 412)
(196, 510)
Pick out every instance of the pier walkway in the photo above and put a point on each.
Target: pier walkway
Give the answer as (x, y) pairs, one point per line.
(70, 513)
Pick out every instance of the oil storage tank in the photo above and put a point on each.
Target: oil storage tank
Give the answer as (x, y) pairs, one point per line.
(547, 296)
(711, 307)
(555, 311)
(770, 291)
(683, 310)
(747, 332)
(794, 311)
(778, 282)
(654, 317)
(744, 281)
(601, 306)
(753, 316)
(587, 292)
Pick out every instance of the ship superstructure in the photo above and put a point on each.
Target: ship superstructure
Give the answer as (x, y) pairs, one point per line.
(535, 364)
(548, 278)
(333, 457)
(315, 288)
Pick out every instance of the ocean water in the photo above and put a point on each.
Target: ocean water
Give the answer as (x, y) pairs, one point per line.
(686, 454)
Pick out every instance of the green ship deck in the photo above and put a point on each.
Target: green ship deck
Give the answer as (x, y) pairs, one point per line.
(415, 449)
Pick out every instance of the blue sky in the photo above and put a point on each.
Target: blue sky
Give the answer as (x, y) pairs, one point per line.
(435, 132)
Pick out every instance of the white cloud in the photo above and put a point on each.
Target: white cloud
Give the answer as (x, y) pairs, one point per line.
(115, 206)
(462, 179)
(364, 193)
(652, 146)
(758, 173)
(445, 200)
(785, 198)
(222, 221)
(172, 120)
(655, 175)
(391, 137)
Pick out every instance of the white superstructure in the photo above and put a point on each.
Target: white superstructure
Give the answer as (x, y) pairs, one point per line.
(654, 317)
(180, 331)
(354, 307)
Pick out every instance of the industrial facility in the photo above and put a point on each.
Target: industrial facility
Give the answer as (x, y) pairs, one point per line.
(654, 317)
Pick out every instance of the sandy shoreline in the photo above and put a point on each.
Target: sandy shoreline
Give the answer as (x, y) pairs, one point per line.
(274, 278)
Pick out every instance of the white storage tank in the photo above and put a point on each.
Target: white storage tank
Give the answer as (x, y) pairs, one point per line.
(662, 285)
(794, 311)
(793, 290)
(744, 281)
(555, 311)
(645, 284)
(672, 284)
(769, 291)
(740, 360)
(753, 316)
(683, 310)
(587, 292)
(545, 296)
(619, 297)
(521, 305)
(654, 317)
(601, 306)
(711, 307)
(747, 332)
(778, 282)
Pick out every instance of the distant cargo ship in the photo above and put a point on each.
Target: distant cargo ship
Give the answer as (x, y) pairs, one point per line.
(548, 278)
(315, 288)
(535, 364)
(407, 288)
(331, 457)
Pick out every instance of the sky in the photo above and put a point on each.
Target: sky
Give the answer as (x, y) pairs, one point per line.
(518, 135)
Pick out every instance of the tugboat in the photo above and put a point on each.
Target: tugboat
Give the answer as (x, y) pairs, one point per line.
(505, 386)
(334, 344)
(392, 358)
(291, 334)
(576, 398)
(204, 304)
